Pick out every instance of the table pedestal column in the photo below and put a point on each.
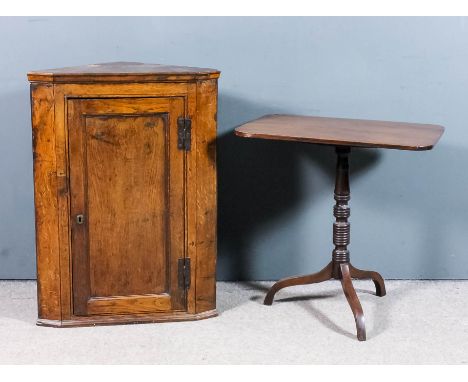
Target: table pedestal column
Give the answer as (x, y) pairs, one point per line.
(340, 267)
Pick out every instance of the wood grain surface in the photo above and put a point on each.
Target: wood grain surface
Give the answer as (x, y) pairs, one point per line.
(45, 201)
(122, 72)
(124, 165)
(343, 132)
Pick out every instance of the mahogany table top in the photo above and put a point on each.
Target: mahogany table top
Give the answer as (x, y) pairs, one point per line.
(343, 132)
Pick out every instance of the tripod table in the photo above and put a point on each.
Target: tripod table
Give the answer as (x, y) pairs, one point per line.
(342, 134)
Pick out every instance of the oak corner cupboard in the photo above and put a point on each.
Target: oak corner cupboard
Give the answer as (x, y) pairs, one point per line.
(125, 193)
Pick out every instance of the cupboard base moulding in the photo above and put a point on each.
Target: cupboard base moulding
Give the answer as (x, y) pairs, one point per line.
(125, 320)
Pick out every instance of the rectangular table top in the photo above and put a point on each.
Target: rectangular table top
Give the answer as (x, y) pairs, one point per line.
(343, 132)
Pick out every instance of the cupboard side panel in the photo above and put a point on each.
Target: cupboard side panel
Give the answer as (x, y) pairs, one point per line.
(206, 195)
(191, 196)
(45, 201)
(61, 154)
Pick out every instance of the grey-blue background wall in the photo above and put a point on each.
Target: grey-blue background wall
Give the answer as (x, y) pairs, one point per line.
(409, 209)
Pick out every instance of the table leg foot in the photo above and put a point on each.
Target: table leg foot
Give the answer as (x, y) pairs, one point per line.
(323, 275)
(353, 301)
(374, 276)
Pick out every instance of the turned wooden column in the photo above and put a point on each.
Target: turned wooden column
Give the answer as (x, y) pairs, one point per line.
(341, 211)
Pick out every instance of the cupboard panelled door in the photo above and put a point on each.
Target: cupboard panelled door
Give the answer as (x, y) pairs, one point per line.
(127, 187)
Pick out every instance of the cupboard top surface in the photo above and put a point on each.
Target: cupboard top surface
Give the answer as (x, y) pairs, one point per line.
(121, 72)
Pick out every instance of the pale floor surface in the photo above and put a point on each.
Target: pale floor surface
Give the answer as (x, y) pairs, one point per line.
(418, 322)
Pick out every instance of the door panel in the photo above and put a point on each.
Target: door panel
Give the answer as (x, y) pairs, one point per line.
(127, 181)
(127, 198)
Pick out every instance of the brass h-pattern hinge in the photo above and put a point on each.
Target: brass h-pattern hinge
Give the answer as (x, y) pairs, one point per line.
(184, 133)
(184, 273)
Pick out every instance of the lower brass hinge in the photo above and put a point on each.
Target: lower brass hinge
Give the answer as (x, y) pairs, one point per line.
(184, 273)
(184, 133)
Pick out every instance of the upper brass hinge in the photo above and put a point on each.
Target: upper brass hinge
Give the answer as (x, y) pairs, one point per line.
(184, 273)
(184, 133)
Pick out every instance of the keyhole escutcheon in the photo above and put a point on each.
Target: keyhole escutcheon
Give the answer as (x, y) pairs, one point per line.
(80, 219)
